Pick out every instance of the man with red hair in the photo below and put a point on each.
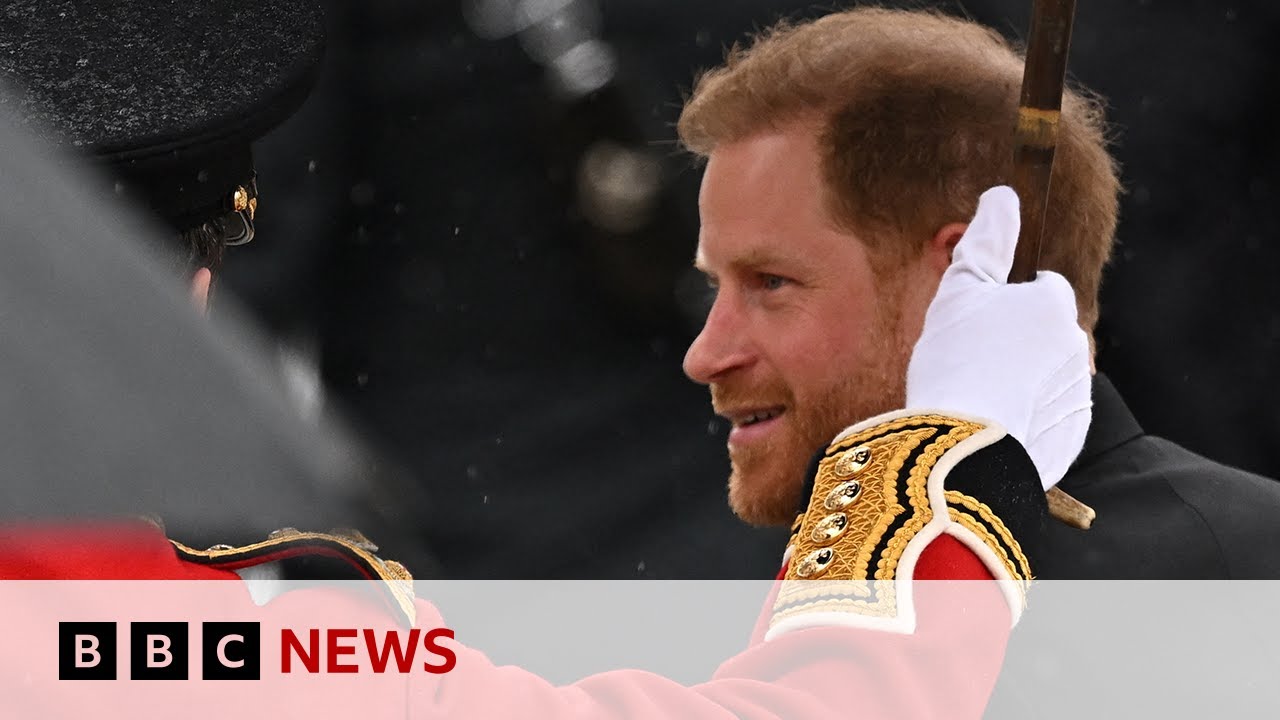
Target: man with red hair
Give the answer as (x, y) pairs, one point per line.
(844, 158)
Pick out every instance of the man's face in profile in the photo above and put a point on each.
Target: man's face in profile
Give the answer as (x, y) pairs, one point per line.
(801, 340)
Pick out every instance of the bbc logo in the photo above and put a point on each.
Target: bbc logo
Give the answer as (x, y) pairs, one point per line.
(160, 651)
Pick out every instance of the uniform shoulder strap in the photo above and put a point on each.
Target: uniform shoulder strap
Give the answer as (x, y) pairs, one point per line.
(349, 546)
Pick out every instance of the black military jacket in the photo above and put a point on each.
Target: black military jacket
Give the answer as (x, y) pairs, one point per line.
(1163, 511)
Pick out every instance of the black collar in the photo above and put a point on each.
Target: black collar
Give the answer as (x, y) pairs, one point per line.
(1112, 426)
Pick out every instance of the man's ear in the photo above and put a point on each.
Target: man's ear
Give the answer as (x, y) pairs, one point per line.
(937, 252)
(200, 284)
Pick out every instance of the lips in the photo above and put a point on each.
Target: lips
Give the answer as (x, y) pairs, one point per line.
(752, 424)
(747, 418)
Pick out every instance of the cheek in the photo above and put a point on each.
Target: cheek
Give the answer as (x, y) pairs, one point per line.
(812, 354)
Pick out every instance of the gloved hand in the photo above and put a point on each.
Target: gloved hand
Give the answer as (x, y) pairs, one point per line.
(1008, 353)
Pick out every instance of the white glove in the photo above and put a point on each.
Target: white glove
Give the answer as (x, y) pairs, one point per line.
(1009, 353)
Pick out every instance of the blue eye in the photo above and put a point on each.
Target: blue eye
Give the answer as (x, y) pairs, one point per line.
(772, 282)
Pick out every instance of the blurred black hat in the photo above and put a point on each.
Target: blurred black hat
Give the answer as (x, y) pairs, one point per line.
(167, 95)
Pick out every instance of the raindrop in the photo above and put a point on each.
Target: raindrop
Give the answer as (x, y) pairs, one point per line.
(486, 500)
(640, 566)
(702, 39)
(311, 166)
(1232, 15)
(713, 427)
(456, 230)
(202, 176)
(398, 208)
(473, 472)
(362, 379)
(119, 188)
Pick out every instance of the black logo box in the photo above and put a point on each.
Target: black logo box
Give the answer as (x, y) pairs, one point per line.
(228, 650)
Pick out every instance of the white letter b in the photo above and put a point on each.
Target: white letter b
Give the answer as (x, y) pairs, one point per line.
(157, 650)
(87, 654)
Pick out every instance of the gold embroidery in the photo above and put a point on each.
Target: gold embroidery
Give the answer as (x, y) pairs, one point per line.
(845, 583)
(978, 528)
(918, 492)
(889, 426)
(989, 517)
(984, 534)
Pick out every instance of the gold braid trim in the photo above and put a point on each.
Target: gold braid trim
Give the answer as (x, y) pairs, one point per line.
(842, 535)
(1023, 571)
(899, 423)
(980, 529)
(350, 545)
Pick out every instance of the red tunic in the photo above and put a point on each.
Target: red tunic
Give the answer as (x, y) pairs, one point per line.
(947, 667)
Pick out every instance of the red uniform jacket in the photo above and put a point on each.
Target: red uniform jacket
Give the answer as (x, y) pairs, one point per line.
(879, 640)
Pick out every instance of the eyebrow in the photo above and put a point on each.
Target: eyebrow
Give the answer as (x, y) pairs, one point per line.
(753, 260)
(759, 257)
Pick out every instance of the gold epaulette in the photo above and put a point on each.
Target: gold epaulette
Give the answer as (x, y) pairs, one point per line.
(350, 546)
(878, 499)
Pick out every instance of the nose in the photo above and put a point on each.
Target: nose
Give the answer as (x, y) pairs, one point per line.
(721, 347)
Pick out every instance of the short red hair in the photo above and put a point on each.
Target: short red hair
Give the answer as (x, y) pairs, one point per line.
(915, 113)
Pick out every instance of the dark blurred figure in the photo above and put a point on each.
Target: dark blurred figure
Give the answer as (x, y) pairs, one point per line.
(118, 399)
(492, 251)
(84, 339)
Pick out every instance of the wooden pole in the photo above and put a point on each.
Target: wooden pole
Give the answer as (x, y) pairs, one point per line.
(1036, 133)
(1035, 138)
